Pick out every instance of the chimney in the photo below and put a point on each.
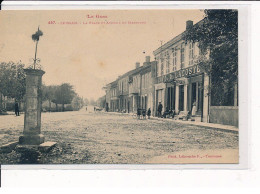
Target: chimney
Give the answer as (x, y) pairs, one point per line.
(137, 65)
(147, 59)
(189, 24)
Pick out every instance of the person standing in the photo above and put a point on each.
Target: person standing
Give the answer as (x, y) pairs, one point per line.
(138, 113)
(149, 113)
(144, 114)
(160, 107)
(16, 109)
(194, 109)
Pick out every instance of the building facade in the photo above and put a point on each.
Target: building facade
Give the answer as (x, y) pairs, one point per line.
(176, 81)
(180, 83)
(112, 100)
(134, 89)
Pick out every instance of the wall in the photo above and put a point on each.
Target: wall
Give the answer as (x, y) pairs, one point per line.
(226, 115)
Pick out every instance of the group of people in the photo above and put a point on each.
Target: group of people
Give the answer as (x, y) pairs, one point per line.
(166, 112)
(171, 112)
(141, 113)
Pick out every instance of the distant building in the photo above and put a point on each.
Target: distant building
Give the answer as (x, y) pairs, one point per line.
(112, 100)
(134, 89)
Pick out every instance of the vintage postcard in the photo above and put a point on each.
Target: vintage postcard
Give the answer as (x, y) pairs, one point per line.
(129, 86)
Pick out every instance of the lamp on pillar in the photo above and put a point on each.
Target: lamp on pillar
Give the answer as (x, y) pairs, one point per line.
(32, 139)
(33, 100)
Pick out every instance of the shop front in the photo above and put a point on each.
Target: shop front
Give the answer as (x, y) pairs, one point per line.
(134, 102)
(159, 96)
(114, 104)
(183, 91)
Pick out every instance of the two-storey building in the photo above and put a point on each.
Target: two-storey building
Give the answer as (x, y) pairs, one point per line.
(134, 88)
(112, 100)
(180, 82)
(147, 76)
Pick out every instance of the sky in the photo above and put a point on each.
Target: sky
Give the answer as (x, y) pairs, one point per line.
(89, 54)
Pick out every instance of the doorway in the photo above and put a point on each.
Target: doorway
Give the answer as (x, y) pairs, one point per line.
(181, 97)
(197, 97)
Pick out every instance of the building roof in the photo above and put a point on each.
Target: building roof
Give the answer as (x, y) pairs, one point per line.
(174, 40)
(131, 72)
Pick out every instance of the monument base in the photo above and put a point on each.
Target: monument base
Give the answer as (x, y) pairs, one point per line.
(31, 139)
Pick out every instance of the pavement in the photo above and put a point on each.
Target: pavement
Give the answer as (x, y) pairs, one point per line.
(196, 123)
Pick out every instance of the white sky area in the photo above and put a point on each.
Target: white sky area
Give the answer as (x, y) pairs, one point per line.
(88, 56)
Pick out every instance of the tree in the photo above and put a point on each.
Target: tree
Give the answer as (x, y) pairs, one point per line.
(63, 95)
(86, 101)
(92, 102)
(77, 103)
(48, 93)
(101, 102)
(217, 38)
(12, 79)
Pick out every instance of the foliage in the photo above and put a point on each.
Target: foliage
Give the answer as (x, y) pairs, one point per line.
(92, 102)
(64, 94)
(48, 93)
(217, 38)
(101, 102)
(77, 103)
(12, 79)
(86, 101)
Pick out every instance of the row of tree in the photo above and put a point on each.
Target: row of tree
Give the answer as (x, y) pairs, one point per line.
(13, 86)
(62, 94)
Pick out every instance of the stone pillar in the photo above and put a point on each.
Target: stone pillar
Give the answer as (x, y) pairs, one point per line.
(185, 97)
(177, 93)
(197, 96)
(32, 117)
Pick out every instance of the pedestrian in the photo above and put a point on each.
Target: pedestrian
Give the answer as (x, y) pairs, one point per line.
(144, 114)
(138, 113)
(149, 113)
(166, 112)
(16, 109)
(94, 109)
(194, 107)
(160, 107)
(86, 108)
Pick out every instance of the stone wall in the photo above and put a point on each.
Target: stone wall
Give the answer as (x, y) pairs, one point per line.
(226, 115)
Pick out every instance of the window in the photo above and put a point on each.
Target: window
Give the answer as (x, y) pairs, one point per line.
(182, 55)
(162, 65)
(191, 53)
(167, 62)
(174, 59)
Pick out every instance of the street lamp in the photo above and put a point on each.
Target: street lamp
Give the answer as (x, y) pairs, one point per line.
(36, 37)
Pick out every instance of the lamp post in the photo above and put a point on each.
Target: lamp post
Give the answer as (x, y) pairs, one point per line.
(33, 100)
(36, 38)
(32, 141)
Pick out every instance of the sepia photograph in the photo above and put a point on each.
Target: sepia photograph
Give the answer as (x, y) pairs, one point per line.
(126, 86)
